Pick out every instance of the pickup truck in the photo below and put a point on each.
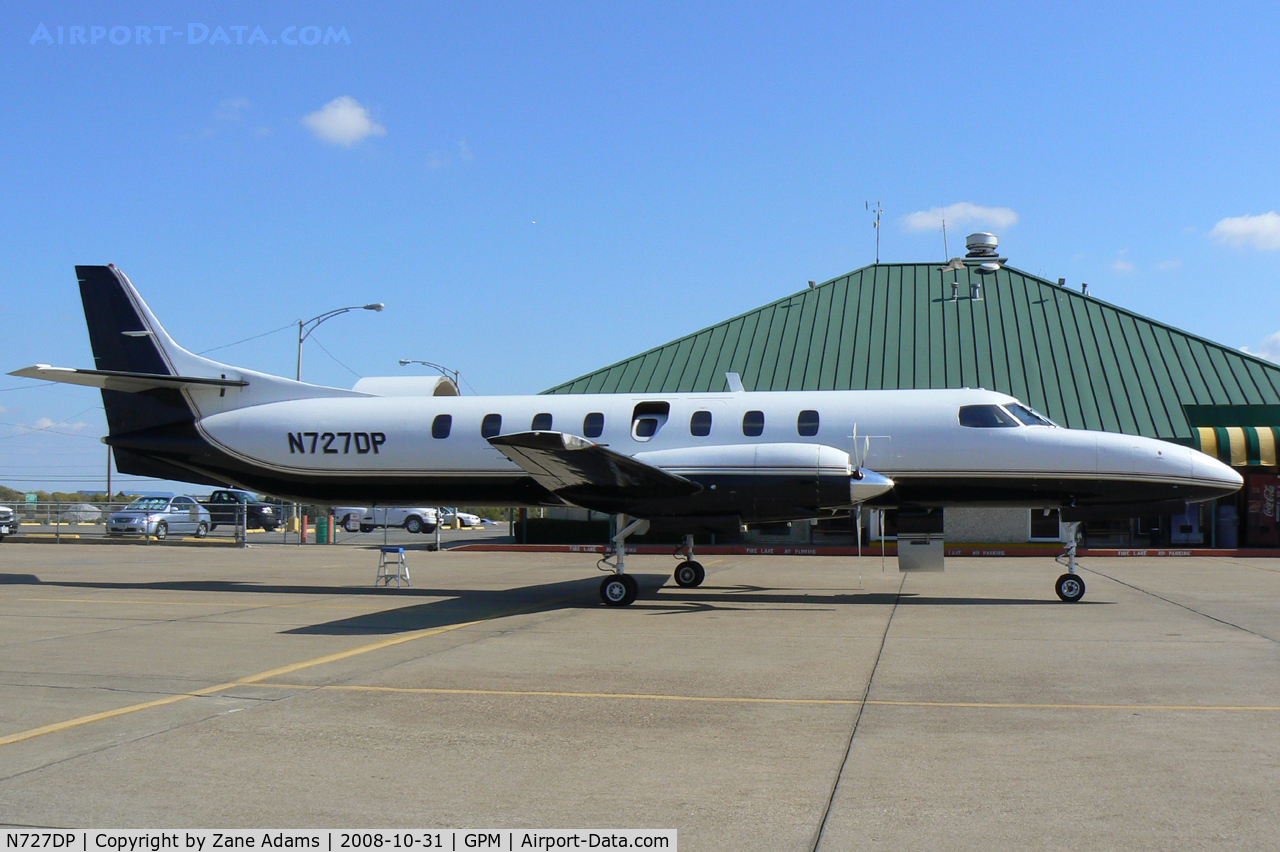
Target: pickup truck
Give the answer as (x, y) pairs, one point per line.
(8, 523)
(415, 520)
(224, 508)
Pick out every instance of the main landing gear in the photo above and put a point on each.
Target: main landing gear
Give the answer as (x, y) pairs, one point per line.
(688, 574)
(1070, 586)
(620, 589)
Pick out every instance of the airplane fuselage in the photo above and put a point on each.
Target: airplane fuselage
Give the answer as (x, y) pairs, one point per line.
(400, 450)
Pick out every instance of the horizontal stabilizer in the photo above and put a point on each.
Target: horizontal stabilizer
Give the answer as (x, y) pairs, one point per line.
(589, 474)
(117, 380)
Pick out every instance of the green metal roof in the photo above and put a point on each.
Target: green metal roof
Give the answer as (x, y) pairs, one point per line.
(1085, 363)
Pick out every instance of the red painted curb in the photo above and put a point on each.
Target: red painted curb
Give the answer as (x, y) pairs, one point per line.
(873, 550)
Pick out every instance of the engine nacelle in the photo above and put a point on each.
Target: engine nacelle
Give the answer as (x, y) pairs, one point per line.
(782, 481)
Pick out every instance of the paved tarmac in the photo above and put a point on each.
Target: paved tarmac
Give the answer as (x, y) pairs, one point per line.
(790, 703)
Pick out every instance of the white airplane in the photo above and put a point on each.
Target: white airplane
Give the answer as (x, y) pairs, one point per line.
(688, 462)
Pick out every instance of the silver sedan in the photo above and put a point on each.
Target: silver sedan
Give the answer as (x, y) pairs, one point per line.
(159, 516)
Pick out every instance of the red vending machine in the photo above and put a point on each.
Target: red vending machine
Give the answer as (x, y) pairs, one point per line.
(1262, 510)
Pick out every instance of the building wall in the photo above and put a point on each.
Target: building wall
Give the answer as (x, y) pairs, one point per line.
(987, 525)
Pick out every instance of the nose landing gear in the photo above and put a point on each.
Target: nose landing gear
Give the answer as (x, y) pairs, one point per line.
(1070, 586)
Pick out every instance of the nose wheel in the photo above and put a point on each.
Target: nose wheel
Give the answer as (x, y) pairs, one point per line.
(1070, 586)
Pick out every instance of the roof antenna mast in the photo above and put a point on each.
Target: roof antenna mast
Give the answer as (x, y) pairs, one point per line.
(876, 225)
(945, 253)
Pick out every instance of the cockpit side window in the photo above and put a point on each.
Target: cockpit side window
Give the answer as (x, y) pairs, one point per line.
(1029, 415)
(985, 417)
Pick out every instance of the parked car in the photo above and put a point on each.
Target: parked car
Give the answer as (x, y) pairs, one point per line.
(416, 519)
(159, 516)
(225, 504)
(449, 516)
(8, 523)
(81, 513)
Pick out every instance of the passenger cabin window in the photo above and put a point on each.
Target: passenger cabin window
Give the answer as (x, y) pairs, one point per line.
(985, 417)
(441, 425)
(807, 423)
(593, 425)
(700, 424)
(491, 425)
(541, 423)
(1029, 415)
(753, 424)
(647, 418)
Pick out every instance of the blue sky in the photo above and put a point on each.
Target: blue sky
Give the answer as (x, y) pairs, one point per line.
(537, 190)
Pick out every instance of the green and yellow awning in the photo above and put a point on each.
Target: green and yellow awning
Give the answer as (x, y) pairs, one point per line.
(1239, 446)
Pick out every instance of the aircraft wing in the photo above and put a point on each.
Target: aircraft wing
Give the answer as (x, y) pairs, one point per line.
(589, 474)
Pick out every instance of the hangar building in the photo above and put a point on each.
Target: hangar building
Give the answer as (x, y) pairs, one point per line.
(976, 322)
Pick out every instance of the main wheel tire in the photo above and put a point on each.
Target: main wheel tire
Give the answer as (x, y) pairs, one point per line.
(366, 528)
(690, 574)
(413, 524)
(1070, 587)
(162, 530)
(269, 529)
(202, 529)
(619, 590)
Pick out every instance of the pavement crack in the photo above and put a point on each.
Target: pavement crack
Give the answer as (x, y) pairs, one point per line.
(1172, 602)
(857, 718)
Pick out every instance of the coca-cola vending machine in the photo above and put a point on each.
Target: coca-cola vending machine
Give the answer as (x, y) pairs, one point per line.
(1262, 511)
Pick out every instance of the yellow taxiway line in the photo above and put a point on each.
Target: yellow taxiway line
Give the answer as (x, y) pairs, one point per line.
(222, 687)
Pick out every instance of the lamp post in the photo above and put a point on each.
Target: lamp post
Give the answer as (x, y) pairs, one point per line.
(445, 371)
(305, 327)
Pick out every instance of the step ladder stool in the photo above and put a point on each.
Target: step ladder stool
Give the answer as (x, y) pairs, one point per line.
(391, 566)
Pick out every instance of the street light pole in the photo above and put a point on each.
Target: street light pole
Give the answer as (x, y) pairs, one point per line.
(453, 374)
(305, 327)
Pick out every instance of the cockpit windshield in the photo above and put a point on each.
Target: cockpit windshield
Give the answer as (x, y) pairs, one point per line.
(985, 417)
(1029, 415)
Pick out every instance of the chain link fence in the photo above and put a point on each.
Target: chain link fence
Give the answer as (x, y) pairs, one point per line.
(148, 521)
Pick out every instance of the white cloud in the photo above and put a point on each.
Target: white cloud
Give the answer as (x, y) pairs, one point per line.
(1269, 349)
(231, 109)
(1172, 263)
(464, 151)
(1258, 232)
(343, 121)
(960, 215)
(1123, 264)
(436, 160)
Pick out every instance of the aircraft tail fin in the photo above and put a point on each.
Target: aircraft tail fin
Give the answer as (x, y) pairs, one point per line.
(126, 337)
(128, 341)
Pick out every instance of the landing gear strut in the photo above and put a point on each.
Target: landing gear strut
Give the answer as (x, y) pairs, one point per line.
(688, 574)
(1070, 586)
(620, 589)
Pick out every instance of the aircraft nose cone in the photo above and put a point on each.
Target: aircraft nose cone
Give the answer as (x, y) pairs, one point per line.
(1215, 474)
(869, 486)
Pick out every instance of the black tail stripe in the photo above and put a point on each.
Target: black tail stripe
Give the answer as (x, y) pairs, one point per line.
(110, 313)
